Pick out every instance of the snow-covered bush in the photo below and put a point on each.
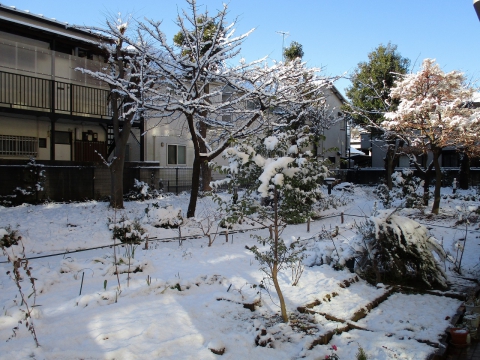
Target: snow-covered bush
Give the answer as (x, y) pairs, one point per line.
(32, 190)
(407, 186)
(8, 237)
(331, 248)
(384, 195)
(165, 217)
(274, 163)
(128, 231)
(141, 191)
(399, 250)
(404, 192)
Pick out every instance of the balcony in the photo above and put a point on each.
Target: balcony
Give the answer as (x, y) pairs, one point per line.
(23, 92)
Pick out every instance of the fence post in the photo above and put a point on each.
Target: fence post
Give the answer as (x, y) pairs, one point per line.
(168, 186)
(342, 217)
(176, 180)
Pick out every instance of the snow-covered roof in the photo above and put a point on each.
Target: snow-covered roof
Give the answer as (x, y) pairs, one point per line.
(40, 22)
(354, 152)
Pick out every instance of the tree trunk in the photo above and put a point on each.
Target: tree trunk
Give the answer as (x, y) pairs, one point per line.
(116, 176)
(195, 185)
(426, 187)
(438, 180)
(464, 173)
(390, 165)
(205, 171)
(283, 308)
(118, 164)
(425, 175)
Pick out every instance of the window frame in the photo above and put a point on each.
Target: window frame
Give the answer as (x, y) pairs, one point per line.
(176, 154)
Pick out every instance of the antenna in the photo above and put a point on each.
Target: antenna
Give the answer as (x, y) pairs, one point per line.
(283, 33)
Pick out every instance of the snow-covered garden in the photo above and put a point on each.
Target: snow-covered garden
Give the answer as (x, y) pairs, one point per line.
(264, 264)
(193, 293)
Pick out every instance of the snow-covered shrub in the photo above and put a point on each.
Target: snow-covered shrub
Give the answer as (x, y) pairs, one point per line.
(8, 237)
(31, 190)
(128, 231)
(399, 250)
(407, 186)
(384, 195)
(330, 248)
(404, 192)
(141, 191)
(462, 197)
(165, 217)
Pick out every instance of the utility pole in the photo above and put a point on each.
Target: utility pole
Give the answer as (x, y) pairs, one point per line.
(283, 33)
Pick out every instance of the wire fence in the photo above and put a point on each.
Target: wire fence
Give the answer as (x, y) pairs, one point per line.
(179, 238)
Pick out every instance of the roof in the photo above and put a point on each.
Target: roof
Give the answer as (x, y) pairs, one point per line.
(26, 19)
(338, 94)
(354, 152)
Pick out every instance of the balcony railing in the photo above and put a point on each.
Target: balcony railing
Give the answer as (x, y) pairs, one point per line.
(32, 93)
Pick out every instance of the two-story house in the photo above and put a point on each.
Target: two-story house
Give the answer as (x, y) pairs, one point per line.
(47, 109)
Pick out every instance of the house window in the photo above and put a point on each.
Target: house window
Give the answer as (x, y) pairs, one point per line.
(18, 145)
(42, 143)
(63, 137)
(177, 155)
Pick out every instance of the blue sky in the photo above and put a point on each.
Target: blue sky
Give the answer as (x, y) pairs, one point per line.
(335, 34)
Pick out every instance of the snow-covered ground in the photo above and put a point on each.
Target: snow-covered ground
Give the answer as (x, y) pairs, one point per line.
(187, 298)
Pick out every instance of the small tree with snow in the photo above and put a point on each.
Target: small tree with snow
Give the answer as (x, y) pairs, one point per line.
(432, 114)
(282, 182)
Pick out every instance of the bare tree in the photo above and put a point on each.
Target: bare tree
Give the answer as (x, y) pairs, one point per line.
(127, 74)
(198, 89)
(215, 102)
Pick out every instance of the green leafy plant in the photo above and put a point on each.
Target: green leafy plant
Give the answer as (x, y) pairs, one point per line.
(130, 234)
(361, 355)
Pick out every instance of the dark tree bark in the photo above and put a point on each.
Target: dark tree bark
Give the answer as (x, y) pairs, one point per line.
(205, 171)
(390, 157)
(116, 172)
(464, 173)
(425, 175)
(438, 179)
(121, 132)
